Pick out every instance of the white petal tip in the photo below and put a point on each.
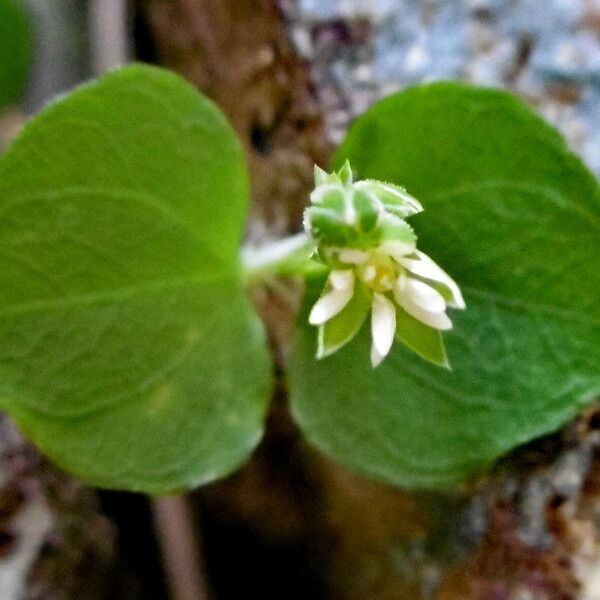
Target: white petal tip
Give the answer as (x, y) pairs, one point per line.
(320, 313)
(457, 302)
(439, 321)
(383, 324)
(329, 305)
(446, 326)
(314, 318)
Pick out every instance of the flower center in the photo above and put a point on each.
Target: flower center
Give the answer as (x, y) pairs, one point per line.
(378, 272)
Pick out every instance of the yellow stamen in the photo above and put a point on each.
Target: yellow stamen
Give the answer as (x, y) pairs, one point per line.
(379, 272)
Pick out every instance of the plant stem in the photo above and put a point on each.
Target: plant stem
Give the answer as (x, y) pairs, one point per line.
(288, 257)
(179, 539)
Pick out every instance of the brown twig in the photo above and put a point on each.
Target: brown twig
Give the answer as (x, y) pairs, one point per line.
(109, 34)
(179, 541)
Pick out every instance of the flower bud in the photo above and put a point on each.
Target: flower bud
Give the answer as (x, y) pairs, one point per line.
(358, 215)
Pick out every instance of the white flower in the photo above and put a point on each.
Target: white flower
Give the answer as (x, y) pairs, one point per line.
(360, 232)
(396, 276)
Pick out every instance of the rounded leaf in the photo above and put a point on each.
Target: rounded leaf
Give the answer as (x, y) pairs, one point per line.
(128, 350)
(514, 217)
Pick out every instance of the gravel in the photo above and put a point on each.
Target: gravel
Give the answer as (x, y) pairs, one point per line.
(546, 51)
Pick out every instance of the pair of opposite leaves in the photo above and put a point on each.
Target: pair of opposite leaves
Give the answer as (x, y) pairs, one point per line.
(130, 355)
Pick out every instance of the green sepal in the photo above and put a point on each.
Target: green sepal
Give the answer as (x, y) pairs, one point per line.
(395, 198)
(422, 339)
(339, 330)
(367, 210)
(326, 224)
(345, 173)
(321, 176)
(332, 196)
(395, 229)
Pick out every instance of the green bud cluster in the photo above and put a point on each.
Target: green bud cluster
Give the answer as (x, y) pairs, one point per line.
(361, 215)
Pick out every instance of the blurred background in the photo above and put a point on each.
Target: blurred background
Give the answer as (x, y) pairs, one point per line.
(357, 50)
(291, 75)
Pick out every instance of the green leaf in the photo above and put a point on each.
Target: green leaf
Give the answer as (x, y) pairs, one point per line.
(514, 218)
(128, 351)
(16, 50)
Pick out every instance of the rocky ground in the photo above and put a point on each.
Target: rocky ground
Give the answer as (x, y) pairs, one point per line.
(546, 51)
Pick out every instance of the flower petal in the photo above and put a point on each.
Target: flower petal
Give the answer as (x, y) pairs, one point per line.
(383, 326)
(397, 249)
(422, 302)
(329, 305)
(426, 268)
(341, 280)
(351, 256)
(421, 294)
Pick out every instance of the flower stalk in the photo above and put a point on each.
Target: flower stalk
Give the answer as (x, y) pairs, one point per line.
(286, 257)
